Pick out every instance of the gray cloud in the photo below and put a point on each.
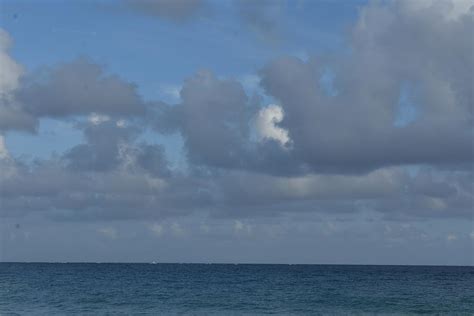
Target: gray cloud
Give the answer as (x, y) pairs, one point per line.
(227, 143)
(78, 88)
(224, 102)
(12, 116)
(391, 191)
(175, 10)
(369, 82)
(104, 147)
(138, 184)
(134, 190)
(264, 17)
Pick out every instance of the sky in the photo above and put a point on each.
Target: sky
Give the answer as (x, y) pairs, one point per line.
(237, 131)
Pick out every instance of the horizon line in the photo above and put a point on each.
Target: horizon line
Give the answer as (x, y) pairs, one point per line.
(234, 263)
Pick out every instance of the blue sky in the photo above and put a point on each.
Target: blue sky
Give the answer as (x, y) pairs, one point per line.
(318, 123)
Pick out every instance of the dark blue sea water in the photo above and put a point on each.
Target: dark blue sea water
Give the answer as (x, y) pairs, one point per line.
(203, 289)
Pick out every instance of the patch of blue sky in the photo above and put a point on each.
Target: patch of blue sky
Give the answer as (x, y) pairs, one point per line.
(314, 26)
(407, 111)
(327, 82)
(53, 137)
(413, 170)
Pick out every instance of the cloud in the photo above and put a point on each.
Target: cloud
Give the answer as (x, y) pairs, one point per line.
(242, 228)
(451, 237)
(355, 130)
(76, 88)
(174, 10)
(79, 87)
(157, 229)
(105, 147)
(129, 189)
(342, 153)
(449, 10)
(3, 149)
(11, 70)
(388, 191)
(266, 121)
(108, 232)
(264, 17)
(206, 98)
(170, 92)
(96, 119)
(227, 143)
(12, 116)
(177, 230)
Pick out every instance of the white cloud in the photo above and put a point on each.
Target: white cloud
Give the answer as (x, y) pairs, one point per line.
(238, 226)
(205, 228)
(177, 230)
(157, 229)
(330, 228)
(266, 121)
(3, 149)
(242, 228)
(250, 83)
(10, 71)
(451, 237)
(121, 123)
(97, 119)
(108, 232)
(170, 92)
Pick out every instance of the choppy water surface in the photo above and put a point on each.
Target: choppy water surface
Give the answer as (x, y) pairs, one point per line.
(36, 288)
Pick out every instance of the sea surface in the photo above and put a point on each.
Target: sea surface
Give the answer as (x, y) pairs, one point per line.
(228, 289)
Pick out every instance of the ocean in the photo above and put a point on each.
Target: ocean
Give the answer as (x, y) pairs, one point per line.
(228, 289)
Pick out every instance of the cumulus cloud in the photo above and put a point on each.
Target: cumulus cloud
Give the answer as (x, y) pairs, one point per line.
(227, 143)
(266, 124)
(12, 116)
(79, 87)
(206, 98)
(355, 130)
(11, 70)
(105, 147)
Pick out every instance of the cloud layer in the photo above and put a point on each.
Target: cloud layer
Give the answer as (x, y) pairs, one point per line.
(311, 151)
